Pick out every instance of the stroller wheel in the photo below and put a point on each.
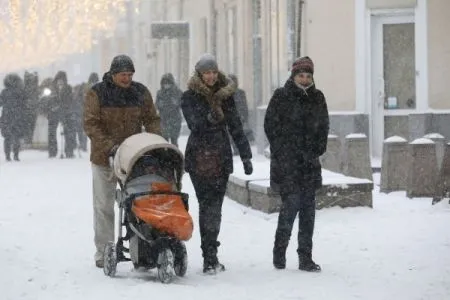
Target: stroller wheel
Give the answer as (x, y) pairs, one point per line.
(181, 260)
(110, 259)
(166, 270)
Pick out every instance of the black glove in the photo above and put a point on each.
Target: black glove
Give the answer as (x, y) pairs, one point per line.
(248, 167)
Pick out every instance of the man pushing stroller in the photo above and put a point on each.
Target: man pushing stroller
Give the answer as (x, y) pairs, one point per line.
(115, 109)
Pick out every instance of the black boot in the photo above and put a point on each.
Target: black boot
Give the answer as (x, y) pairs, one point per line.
(16, 157)
(307, 264)
(211, 264)
(279, 257)
(8, 157)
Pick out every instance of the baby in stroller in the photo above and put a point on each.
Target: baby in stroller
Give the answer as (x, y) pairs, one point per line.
(151, 208)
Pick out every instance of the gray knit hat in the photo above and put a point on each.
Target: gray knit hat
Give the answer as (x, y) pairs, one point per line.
(207, 62)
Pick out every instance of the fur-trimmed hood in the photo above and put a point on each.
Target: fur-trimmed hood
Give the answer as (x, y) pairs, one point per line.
(223, 89)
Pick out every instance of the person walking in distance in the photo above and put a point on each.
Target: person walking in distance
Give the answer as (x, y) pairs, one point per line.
(13, 127)
(168, 103)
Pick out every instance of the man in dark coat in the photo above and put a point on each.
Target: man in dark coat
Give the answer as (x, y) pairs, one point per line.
(12, 99)
(67, 112)
(168, 103)
(210, 112)
(296, 125)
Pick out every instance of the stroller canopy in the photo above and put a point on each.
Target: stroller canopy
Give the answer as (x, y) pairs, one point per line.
(136, 146)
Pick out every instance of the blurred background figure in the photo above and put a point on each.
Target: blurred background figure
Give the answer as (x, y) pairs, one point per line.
(79, 94)
(168, 103)
(240, 99)
(31, 82)
(78, 99)
(59, 106)
(67, 113)
(13, 128)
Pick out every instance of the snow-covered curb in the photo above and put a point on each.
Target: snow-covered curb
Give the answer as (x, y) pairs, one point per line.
(255, 191)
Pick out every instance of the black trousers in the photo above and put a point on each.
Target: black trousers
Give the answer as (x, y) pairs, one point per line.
(303, 204)
(210, 194)
(171, 130)
(53, 120)
(70, 137)
(11, 143)
(82, 137)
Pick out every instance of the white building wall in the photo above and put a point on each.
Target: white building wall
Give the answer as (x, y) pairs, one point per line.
(438, 53)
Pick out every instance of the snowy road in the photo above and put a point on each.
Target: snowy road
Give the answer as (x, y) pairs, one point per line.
(398, 250)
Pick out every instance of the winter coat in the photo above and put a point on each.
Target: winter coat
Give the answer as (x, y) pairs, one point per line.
(207, 136)
(59, 104)
(112, 114)
(168, 103)
(67, 104)
(296, 125)
(13, 101)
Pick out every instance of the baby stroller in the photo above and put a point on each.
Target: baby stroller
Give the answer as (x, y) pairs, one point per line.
(151, 208)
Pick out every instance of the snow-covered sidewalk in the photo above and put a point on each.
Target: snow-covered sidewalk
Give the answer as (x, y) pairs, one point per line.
(398, 250)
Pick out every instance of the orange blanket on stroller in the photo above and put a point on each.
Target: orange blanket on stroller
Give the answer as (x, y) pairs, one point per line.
(166, 213)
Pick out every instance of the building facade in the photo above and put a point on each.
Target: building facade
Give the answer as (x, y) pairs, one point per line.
(382, 64)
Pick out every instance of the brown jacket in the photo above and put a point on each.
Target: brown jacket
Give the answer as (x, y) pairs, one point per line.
(112, 114)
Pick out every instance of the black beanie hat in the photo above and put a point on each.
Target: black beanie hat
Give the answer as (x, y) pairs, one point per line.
(121, 63)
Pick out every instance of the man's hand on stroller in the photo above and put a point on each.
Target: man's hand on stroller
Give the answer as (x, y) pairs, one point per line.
(248, 166)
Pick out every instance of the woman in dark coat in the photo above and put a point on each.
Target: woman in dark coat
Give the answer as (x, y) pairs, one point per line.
(168, 103)
(296, 125)
(210, 112)
(12, 98)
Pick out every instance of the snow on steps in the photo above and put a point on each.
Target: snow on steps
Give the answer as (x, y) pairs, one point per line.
(338, 190)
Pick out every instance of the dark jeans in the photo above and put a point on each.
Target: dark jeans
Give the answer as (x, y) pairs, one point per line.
(302, 203)
(210, 194)
(11, 143)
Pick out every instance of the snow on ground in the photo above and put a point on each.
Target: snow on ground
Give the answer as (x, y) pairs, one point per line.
(398, 250)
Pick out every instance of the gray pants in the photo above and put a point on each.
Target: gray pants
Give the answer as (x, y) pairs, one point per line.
(104, 186)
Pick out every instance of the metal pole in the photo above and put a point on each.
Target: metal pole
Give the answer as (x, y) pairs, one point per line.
(257, 60)
(213, 25)
(291, 16)
(299, 27)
